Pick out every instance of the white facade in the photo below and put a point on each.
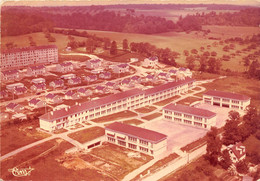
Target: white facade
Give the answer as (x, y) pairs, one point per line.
(150, 62)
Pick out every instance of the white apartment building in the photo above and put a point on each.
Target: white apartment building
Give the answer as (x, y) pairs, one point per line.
(136, 138)
(226, 99)
(22, 57)
(189, 115)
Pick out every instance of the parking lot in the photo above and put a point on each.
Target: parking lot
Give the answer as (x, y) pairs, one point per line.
(178, 135)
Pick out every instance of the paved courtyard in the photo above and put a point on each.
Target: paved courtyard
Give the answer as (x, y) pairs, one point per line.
(178, 135)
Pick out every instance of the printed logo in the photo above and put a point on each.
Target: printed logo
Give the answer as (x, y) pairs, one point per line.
(21, 172)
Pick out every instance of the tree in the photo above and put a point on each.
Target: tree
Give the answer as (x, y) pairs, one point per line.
(226, 162)
(125, 44)
(251, 119)
(107, 43)
(242, 167)
(113, 49)
(203, 64)
(190, 62)
(186, 53)
(194, 51)
(213, 146)
(233, 115)
(252, 71)
(90, 46)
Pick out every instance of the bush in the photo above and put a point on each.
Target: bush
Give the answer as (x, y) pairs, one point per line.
(242, 167)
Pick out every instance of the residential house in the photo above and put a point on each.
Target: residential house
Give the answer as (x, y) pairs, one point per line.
(36, 70)
(93, 63)
(38, 81)
(57, 83)
(192, 116)
(105, 75)
(38, 87)
(121, 68)
(3, 94)
(71, 95)
(68, 76)
(20, 90)
(84, 92)
(186, 72)
(136, 138)
(150, 78)
(36, 103)
(20, 116)
(150, 62)
(136, 79)
(64, 67)
(237, 152)
(127, 82)
(13, 107)
(11, 87)
(91, 78)
(101, 89)
(226, 99)
(173, 72)
(10, 75)
(74, 81)
(53, 98)
(164, 76)
(111, 85)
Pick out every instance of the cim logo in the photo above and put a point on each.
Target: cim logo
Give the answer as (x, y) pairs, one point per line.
(21, 172)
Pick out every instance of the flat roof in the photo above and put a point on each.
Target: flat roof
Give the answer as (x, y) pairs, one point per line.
(228, 95)
(31, 48)
(135, 131)
(190, 110)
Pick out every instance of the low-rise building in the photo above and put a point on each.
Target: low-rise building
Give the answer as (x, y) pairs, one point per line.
(13, 107)
(163, 75)
(36, 70)
(3, 94)
(38, 87)
(91, 78)
(101, 89)
(111, 85)
(68, 76)
(84, 92)
(226, 99)
(53, 98)
(38, 81)
(150, 78)
(71, 95)
(11, 87)
(237, 152)
(20, 90)
(57, 83)
(127, 82)
(185, 71)
(136, 138)
(20, 116)
(36, 103)
(105, 75)
(150, 62)
(93, 63)
(74, 81)
(136, 79)
(10, 75)
(173, 72)
(121, 68)
(64, 67)
(192, 116)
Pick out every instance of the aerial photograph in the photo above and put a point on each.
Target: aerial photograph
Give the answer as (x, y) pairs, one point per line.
(130, 90)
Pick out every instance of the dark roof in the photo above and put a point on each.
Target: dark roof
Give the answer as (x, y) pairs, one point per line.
(173, 71)
(70, 93)
(99, 87)
(153, 58)
(20, 89)
(182, 69)
(106, 73)
(239, 150)
(92, 76)
(50, 96)
(126, 81)
(90, 105)
(94, 60)
(66, 64)
(123, 65)
(32, 48)
(169, 85)
(162, 74)
(36, 67)
(40, 86)
(76, 79)
(110, 84)
(138, 132)
(58, 82)
(150, 76)
(34, 101)
(10, 72)
(190, 110)
(136, 77)
(228, 95)
(11, 105)
(82, 90)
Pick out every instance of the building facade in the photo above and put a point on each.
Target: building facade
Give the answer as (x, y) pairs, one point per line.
(10, 75)
(190, 116)
(22, 57)
(226, 99)
(136, 138)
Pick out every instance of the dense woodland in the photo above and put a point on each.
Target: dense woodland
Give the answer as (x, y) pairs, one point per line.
(23, 20)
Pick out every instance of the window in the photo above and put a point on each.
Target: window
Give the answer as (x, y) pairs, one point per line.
(225, 100)
(187, 116)
(177, 114)
(187, 121)
(143, 142)
(198, 124)
(132, 139)
(235, 102)
(122, 143)
(168, 117)
(143, 149)
(216, 99)
(198, 118)
(177, 119)
(132, 146)
(111, 139)
(168, 112)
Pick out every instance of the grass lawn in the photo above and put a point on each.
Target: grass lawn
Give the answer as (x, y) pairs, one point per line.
(167, 101)
(115, 160)
(14, 136)
(145, 109)
(152, 116)
(159, 164)
(116, 116)
(188, 100)
(133, 122)
(87, 134)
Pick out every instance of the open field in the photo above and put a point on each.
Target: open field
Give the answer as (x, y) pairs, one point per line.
(166, 101)
(152, 116)
(14, 136)
(115, 160)
(87, 134)
(187, 101)
(133, 122)
(145, 109)
(116, 116)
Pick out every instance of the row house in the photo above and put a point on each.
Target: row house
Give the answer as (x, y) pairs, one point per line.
(68, 76)
(36, 103)
(71, 95)
(121, 68)
(136, 79)
(74, 81)
(11, 87)
(190, 116)
(57, 83)
(64, 67)
(20, 90)
(105, 75)
(10, 75)
(226, 99)
(150, 62)
(53, 98)
(93, 63)
(136, 138)
(163, 75)
(3, 94)
(84, 92)
(36, 70)
(111, 85)
(150, 78)
(91, 78)
(38, 81)
(23, 57)
(13, 107)
(127, 82)
(101, 89)
(38, 87)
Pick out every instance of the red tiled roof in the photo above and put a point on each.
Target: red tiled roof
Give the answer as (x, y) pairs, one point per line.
(90, 105)
(14, 50)
(239, 150)
(228, 95)
(110, 84)
(20, 89)
(34, 101)
(190, 110)
(10, 72)
(134, 131)
(123, 65)
(169, 85)
(11, 105)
